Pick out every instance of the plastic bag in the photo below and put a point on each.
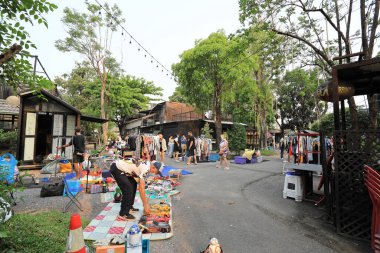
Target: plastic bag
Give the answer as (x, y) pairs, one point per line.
(51, 168)
(7, 167)
(65, 167)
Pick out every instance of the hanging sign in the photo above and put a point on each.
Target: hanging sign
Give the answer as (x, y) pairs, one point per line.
(325, 91)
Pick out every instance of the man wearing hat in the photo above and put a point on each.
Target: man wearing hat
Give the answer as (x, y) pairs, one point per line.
(128, 176)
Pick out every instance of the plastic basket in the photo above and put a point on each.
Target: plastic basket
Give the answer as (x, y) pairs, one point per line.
(214, 157)
(240, 160)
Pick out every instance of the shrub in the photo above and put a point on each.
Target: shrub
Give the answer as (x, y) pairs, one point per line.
(237, 138)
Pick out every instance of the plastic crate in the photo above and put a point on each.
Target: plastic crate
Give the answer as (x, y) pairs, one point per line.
(253, 160)
(214, 157)
(240, 160)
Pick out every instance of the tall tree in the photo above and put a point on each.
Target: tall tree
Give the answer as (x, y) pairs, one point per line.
(90, 34)
(126, 94)
(15, 41)
(212, 69)
(299, 20)
(296, 107)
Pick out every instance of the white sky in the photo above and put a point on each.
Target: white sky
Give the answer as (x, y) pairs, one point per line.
(165, 28)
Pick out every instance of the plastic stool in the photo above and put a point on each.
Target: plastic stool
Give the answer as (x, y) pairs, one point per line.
(293, 186)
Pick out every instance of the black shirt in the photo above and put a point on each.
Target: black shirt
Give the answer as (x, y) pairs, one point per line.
(189, 140)
(79, 143)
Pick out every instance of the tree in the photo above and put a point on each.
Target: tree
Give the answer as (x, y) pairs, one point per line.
(90, 34)
(299, 20)
(326, 123)
(15, 69)
(126, 94)
(297, 108)
(178, 96)
(211, 71)
(207, 131)
(237, 138)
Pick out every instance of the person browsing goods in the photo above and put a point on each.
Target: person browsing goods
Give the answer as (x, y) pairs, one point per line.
(128, 176)
(79, 143)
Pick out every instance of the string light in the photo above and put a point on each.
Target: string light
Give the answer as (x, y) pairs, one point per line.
(139, 45)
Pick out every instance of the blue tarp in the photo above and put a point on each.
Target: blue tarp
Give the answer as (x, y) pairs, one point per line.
(166, 169)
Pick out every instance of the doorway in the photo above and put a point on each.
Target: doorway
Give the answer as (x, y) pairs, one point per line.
(44, 136)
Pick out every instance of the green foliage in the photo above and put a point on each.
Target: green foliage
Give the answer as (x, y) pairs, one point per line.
(207, 131)
(8, 140)
(40, 232)
(266, 152)
(178, 96)
(209, 73)
(297, 106)
(326, 123)
(237, 138)
(126, 94)
(18, 71)
(14, 13)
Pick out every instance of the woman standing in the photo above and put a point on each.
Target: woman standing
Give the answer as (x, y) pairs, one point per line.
(171, 146)
(162, 147)
(183, 146)
(176, 147)
(223, 151)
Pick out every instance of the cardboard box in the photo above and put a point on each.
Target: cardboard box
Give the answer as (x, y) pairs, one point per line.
(111, 249)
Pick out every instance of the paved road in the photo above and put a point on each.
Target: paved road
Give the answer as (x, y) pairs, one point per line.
(243, 207)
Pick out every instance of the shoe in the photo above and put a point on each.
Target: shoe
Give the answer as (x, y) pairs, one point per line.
(134, 209)
(126, 217)
(218, 166)
(226, 168)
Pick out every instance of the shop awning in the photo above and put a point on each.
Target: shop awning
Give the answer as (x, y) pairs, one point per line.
(93, 119)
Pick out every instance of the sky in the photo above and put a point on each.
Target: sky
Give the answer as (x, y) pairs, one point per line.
(165, 28)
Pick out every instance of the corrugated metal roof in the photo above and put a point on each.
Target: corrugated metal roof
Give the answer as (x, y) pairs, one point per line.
(8, 109)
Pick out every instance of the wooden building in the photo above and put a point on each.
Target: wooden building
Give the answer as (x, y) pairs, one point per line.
(45, 122)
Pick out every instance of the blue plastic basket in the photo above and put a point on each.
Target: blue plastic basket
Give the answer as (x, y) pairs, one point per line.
(240, 160)
(214, 157)
(7, 167)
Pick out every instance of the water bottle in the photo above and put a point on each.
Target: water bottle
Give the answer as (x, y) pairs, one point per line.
(134, 236)
(63, 155)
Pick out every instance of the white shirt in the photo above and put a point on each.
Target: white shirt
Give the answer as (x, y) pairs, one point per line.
(132, 169)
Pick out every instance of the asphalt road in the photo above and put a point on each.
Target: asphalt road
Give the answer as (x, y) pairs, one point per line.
(244, 209)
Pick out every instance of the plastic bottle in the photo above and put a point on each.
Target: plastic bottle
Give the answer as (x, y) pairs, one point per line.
(63, 155)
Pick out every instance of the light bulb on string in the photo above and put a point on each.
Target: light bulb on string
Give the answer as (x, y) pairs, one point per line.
(145, 55)
(138, 49)
(130, 40)
(157, 66)
(122, 33)
(151, 61)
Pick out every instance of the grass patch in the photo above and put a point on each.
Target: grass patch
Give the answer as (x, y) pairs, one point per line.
(265, 152)
(40, 232)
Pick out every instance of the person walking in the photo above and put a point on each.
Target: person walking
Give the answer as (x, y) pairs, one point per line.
(282, 147)
(177, 147)
(191, 148)
(183, 146)
(79, 143)
(171, 146)
(162, 147)
(223, 152)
